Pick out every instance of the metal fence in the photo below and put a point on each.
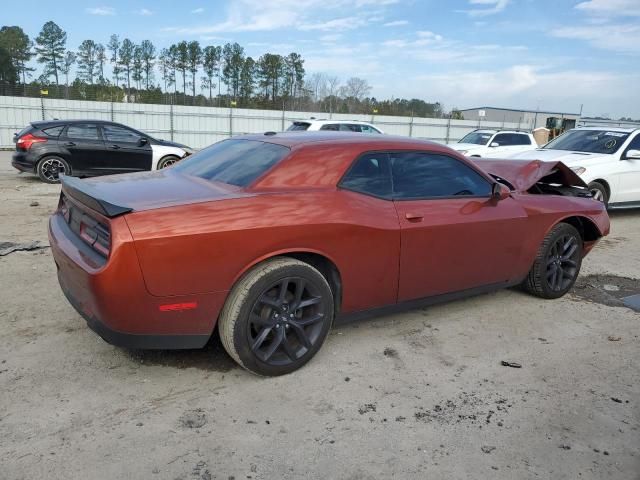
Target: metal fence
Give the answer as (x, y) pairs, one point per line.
(202, 126)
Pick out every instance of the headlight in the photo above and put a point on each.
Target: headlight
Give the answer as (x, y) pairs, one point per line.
(579, 170)
(188, 151)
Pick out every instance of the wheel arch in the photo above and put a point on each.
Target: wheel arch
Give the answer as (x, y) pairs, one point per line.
(587, 228)
(319, 260)
(605, 184)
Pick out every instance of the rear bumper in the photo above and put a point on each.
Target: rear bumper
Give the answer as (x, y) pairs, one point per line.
(23, 161)
(112, 297)
(132, 340)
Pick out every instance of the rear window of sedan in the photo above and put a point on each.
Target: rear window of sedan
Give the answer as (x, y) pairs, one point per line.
(236, 162)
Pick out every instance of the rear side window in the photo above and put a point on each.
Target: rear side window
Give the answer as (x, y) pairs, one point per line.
(83, 131)
(350, 127)
(236, 162)
(53, 131)
(368, 129)
(509, 139)
(419, 175)
(370, 175)
(296, 126)
(113, 133)
(334, 127)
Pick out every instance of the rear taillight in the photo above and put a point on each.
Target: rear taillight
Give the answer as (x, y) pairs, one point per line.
(27, 140)
(91, 231)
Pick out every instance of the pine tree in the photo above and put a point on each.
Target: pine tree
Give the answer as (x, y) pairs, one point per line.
(50, 48)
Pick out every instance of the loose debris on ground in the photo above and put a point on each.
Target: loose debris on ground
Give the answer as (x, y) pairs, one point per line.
(9, 247)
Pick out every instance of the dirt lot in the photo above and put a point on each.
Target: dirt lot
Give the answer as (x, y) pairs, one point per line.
(414, 395)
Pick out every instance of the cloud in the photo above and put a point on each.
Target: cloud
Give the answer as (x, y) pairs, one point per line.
(331, 38)
(610, 8)
(102, 11)
(197, 10)
(396, 23)
(622, 38)
(145, 12)
(487, 7)
(305, 15)
(520, 87)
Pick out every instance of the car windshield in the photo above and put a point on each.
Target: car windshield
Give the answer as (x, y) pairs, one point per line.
(298, 126)
(236, 162)
(591, 141)
(479, 138)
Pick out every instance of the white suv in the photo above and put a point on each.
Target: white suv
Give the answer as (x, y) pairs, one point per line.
(607, 159)
(494, 143)
(334, 125)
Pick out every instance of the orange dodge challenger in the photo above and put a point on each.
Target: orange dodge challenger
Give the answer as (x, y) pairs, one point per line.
(272, 236)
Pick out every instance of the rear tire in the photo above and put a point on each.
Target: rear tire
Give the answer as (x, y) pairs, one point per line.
(599, 192)
(557, 263)
(50, 168)
(277, 316)
(167, 161)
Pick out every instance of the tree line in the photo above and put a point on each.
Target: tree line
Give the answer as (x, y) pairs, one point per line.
(183, 73)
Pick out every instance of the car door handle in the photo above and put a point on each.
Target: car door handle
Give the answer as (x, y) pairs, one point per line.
(413, 217)
(69, 144)
(115, 147)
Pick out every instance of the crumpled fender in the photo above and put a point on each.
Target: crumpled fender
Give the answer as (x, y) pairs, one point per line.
(525, 174)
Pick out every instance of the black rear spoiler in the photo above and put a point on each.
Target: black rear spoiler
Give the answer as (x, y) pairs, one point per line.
(89, 196)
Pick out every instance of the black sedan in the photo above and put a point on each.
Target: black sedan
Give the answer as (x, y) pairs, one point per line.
(89, 148)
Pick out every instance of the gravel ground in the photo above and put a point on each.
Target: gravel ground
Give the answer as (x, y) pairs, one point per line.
(417, 395)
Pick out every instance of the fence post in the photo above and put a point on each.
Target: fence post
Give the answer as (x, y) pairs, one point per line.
(411, 125)
(42, 106)
(230, 121)
(283, 116)
(112, 115)
(171, 119)
(446, 140)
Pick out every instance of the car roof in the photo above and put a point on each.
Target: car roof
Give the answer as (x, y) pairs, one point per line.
(49, 123)
(325, 120)
(296, 139)
(609, 129)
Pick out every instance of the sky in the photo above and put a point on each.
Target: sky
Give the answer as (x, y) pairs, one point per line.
(555, 55)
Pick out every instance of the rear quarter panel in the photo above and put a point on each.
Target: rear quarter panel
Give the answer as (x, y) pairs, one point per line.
(206, 247)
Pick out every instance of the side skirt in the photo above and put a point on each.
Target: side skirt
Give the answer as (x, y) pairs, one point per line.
(423, 302)
(623, 205)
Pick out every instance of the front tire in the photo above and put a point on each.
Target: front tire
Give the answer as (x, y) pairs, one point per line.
(277, 316)
(557, 263)
(50, 168)
(599, 192)
(167, 161)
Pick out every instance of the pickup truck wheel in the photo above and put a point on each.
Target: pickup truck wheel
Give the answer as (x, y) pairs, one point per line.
(277, 316)
(557, 263)
(599, 192)
(50, 168)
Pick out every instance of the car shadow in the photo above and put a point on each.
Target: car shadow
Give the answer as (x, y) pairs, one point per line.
(212, 357)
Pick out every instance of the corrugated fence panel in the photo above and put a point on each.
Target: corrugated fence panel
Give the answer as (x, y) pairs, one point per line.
(202, 126)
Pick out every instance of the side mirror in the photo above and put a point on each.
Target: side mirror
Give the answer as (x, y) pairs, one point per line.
(500, 192)
(632, 155)
(494, 144)
(143, 141)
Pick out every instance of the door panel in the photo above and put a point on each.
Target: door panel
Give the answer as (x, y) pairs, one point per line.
(84, 146)
(455, 244)
(629, 174)
(124, 151)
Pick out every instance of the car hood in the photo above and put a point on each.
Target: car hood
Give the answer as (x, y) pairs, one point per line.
(565, 156)
(167, 143)
(524, 175)
(115, 195)
(464, 146)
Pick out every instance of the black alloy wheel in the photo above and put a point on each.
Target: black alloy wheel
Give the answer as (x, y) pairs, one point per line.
(557, 263)
(562, 263)
(286, 321)
(277, 316)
